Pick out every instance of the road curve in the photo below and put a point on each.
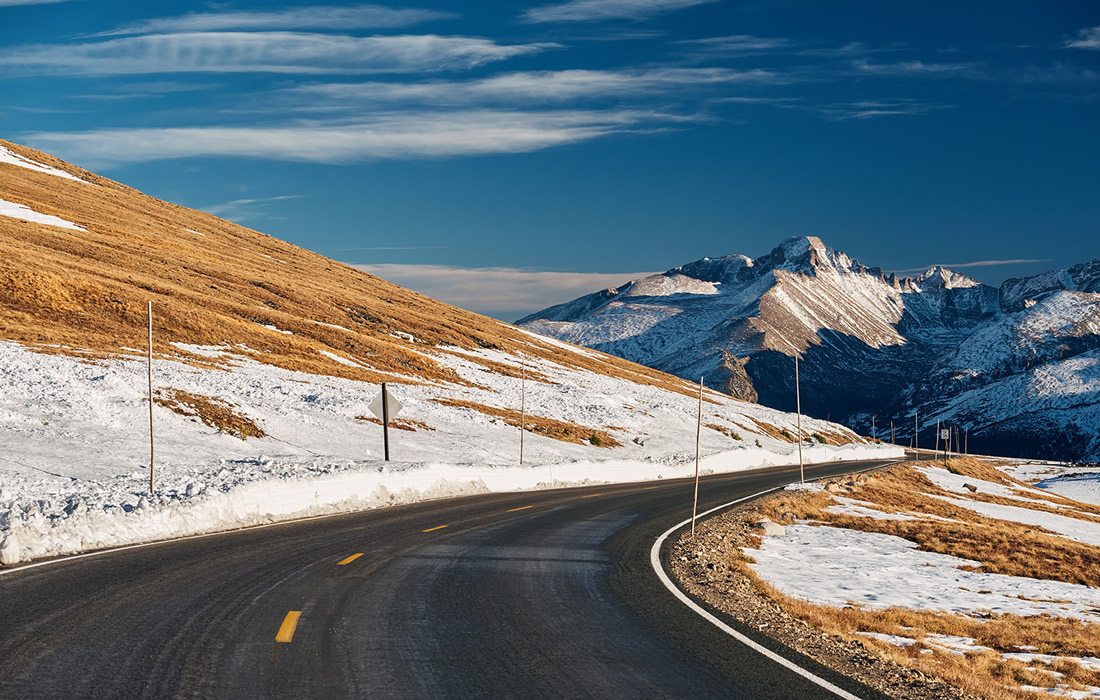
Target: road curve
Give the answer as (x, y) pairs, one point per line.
(538, 594)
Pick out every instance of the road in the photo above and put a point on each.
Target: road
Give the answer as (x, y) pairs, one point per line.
(537, 594)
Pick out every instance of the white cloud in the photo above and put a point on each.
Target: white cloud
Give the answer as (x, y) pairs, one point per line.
(1086, 39)
(13, 3)
(434, 134)
(504, 292)
(977, 263)
(596, 10)
(737, 43)
(916, 68)
(524, 87)
(271, 52)
(318, 17)
(247, 208)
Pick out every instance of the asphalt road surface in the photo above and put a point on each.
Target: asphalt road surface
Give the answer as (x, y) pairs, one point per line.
(539, 594)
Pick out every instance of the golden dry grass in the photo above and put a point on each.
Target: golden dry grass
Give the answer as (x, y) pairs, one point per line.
(66, 291)
(213, 412)
(999, 546)
(548, 427)
(407, 424)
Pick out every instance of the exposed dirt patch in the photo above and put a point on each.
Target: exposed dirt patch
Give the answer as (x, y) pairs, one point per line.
(400, 423)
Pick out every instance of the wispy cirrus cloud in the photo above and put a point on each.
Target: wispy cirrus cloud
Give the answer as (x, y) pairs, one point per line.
(976, 263)
(1088, 38)
(15, 3)
(394, 135)
(247, 207)
(261, 52)
(291, 18)
(504, 292)
(533, 86)
(598, 10)
(861, 110)
(914, 68)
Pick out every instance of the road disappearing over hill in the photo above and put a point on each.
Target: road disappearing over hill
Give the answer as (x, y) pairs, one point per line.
(536, 594)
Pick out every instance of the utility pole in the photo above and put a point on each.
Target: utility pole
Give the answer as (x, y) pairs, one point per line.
(522, 407)
(698, 431)
(149, 368)
(798, 417)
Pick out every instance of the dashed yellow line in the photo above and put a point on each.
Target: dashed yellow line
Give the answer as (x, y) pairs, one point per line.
(348, 560)
(286, 630)
(591, 495)
(513, 510)
(433, 529)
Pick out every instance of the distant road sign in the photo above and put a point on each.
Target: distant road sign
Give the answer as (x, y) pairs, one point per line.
(945, 434)
(393, 406)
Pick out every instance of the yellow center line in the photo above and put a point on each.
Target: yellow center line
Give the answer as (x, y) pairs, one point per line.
(513, 510)
(433, 529)
(286, 630)
(591, 495)
(353, 557)
(648, 488)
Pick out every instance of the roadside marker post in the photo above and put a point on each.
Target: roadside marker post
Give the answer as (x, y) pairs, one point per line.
(698, 432)
(522, 407)
(149, 368)
(798, 418)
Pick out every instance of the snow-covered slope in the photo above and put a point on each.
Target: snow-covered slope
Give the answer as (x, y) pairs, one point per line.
(1013, 365)
(266, 359)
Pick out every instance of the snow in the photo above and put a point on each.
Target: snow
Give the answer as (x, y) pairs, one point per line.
(270, 327)
(1080, 530)
(342, 360)
(20, 211)
(7, 156)
(839, 567)
(1083, 487)
(956, 483)
(74, 444)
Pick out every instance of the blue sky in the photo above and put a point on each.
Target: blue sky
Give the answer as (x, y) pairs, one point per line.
(510, 155)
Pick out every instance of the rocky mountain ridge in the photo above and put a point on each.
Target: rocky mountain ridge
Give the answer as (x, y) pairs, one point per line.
(1017, 366)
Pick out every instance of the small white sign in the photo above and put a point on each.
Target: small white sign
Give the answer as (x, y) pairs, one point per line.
(393, 406)
(944, 434)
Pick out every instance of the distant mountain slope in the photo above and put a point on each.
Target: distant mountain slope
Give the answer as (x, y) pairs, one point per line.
(1013, 365)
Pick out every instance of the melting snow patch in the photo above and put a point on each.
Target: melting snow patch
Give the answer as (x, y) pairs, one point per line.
(19, 211)
(840, 567)
(270, 327)
(11, 158)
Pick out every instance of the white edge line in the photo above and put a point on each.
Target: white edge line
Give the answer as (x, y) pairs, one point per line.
(655, 562)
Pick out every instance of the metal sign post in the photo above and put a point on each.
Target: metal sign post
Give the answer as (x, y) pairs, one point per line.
(385, 407)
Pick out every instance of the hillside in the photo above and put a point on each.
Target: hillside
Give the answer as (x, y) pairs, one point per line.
(1017, 366)
(267, 357)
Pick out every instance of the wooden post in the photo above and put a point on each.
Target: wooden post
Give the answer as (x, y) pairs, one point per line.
(149, 368)
(698, 432)
(522, 407)
(892, 440)
(916, 435)
(798, 418)
(385, 422)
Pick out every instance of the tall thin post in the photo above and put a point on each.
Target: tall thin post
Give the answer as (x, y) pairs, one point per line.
(937, 439)
(966, 440)
(874, 430)
(916, 435)
(698, 432)
(385, 422)
(522, 407)
(149, 368)
(892, 441)
(798, 418)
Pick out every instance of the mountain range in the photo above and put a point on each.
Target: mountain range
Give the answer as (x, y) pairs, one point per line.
(1016, 367)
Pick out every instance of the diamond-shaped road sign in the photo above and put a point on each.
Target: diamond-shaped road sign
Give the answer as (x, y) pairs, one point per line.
(393, 406)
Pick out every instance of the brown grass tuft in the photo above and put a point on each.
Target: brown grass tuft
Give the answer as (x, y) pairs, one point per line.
(548, 427)
(213, 412)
